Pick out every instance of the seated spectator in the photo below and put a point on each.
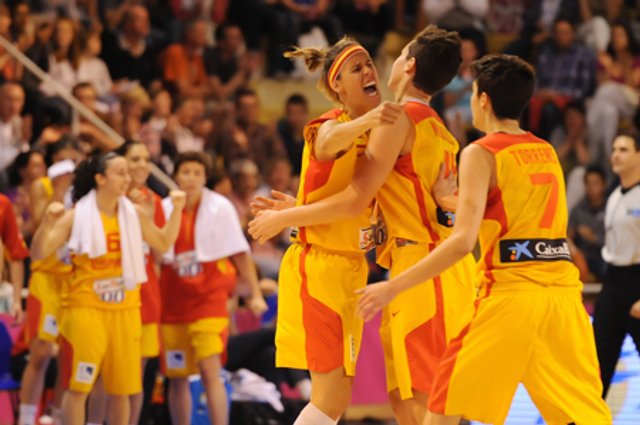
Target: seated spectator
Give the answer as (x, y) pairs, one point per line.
(27, 167)
(226, 66)
(86, 130)
(565, 71)
(572, 140)
(10, 68)
(457, 94)
(366, 20)
(244, 181)
(23, 29)
(183, 63)
(15, 130)
(64, 59)
(181, 128)
(617, 94)
(249, 138)
(457, 14)
(290, 129)
(92, 69)
(506, 16)
(134, 104)
(161, 107)
(586, 221)
(290, 19)
(129, 53)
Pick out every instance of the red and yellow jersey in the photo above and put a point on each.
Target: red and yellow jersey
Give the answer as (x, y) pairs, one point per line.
(97, 282)
(14, 246)
(59, 262)
(523, 233)
(405, 199)
(191, 290)
(321, 179)
(150, 290)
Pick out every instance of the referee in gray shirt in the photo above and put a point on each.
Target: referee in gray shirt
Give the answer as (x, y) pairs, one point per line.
(617, 310)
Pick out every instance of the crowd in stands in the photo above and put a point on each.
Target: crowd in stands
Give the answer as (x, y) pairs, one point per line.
(183, 76)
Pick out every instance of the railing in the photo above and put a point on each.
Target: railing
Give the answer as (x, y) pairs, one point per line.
(77, 106)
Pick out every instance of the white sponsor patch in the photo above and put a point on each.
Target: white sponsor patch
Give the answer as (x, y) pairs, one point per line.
(86, 373)
(50, 325)
(176, 359)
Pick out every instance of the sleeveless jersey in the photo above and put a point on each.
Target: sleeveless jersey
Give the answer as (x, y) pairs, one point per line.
(97, 282)
(59, 262)
(405, 199)
(191, 290)
(321, 179)
(523, 233)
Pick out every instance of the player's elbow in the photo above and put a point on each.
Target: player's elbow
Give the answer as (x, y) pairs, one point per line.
(465, 241)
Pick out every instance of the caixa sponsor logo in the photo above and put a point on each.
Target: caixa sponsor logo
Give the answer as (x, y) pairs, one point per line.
(516, 250)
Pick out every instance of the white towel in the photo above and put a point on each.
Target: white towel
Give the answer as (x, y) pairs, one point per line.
(87, 236)
(218, 233)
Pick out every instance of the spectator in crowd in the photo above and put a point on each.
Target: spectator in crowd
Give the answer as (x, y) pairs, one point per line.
(15, 131)
(572, 140)
(10, 68)
(457, 94)
(183, 63)
(244, 181)
(506, 16)
(23, 29)
(228, 68)
(617, 94)
(290, 129)
(565, 70)
(134, 104)
(64, 60)
(366, 20)
(27, 167)
(87, 131)
(290, 19)
(254, 140)
(458, 14)
(128, 52)
(586, 221)
(92, 67)
(181, 128)
(161, 106)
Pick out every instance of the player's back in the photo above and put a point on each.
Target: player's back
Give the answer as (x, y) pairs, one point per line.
(523, 233)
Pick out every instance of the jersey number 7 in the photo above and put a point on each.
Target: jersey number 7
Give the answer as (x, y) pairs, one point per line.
(552, 199)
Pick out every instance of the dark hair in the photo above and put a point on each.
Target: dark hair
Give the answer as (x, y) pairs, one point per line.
(245, 93)
(437, 56)
(564, 18)
(220, 32)
(84, 177)
(67, 141)
(124, 148)
(83, 85)
(316, 58)
(297, 99)
(576, 105)
(508, 81)
(595, 169)
(634, 46)
(19, 163)
(73, 55)
(199, 157)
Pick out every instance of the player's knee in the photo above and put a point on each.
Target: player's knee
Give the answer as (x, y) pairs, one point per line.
(41, 352)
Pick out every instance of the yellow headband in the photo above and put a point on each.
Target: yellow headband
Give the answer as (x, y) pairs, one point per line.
(340, 60)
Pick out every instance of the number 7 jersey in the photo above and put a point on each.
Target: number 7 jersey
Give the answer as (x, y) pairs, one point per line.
(524, 230)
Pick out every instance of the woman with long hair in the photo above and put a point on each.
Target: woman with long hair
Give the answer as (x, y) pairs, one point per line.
(101, 327)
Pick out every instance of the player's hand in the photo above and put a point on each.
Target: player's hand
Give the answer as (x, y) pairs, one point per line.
(178, 199)
(280, 201)
(445, 186)
(635, 310)
(145, 203)
(373, 298)
(265, 226)
(385, 113)
(16, 311)
(257, 305)
(54, 211)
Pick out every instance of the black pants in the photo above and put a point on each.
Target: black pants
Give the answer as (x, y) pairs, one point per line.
(256, 351)
(611, 319)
